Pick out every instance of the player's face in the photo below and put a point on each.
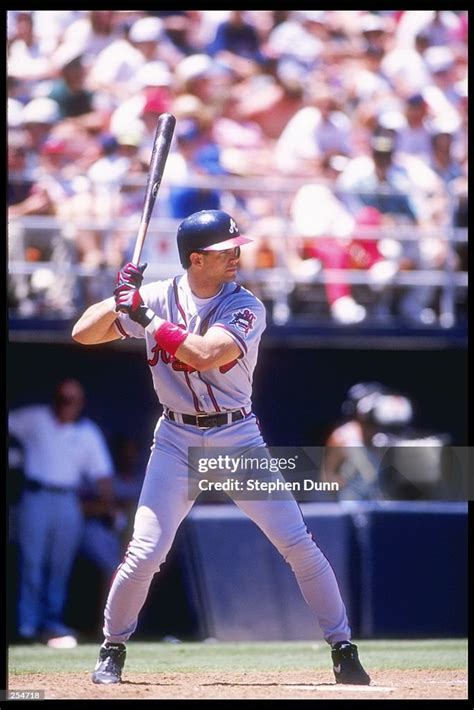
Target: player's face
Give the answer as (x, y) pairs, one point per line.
(222, 265)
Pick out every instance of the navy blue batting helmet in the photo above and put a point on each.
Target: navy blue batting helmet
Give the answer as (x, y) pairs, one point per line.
(207, 230)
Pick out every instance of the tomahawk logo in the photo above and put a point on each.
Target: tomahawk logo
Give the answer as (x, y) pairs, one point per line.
(244, 320)
(233, 227)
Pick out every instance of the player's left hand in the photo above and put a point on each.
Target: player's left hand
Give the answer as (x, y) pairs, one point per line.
(128, 300)
(131, 274)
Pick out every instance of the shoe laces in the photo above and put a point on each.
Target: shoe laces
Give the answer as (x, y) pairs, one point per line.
(112, 656)
(346, 651)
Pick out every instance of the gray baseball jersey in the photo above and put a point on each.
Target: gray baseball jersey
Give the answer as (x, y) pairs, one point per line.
(164, 499)
(180, 387)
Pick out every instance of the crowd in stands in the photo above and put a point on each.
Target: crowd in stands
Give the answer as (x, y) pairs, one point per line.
(365, 110)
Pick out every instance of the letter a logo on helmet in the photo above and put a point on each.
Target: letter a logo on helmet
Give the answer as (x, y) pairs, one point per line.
(207, 230)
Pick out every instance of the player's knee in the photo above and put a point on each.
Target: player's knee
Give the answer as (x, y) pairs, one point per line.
(145, 556)
(303, 555)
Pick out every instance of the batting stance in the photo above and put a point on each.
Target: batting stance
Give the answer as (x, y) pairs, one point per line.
(202, 332)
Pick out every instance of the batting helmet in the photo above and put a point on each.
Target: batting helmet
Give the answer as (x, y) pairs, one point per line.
(207, 230)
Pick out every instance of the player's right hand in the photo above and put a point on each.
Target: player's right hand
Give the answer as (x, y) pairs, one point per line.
(131, 274)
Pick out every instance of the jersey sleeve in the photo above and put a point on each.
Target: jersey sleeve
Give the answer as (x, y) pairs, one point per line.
(244, 319)
(152, 295)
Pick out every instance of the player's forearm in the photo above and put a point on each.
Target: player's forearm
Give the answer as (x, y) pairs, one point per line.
(200, 352)
(96, 324)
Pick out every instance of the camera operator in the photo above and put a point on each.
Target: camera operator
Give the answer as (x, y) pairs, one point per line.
(359, 452)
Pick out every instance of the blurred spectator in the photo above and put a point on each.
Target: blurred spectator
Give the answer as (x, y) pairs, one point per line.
(318, 130)
(28, 61)
(86, 37)
(339, 241)
(244, 149)
(374, 30)
(387, 182)
(195, 155)
(148, 38)
(181, 28)
(107, 523)
(130, 470)
(111, 167)
(59, 448)
(367, 80)
(101, 540)
(204, 78)
(114, 197)
(106, 176)
(440, 26)
(405, 66)
(379, 181)
(14, 111)
(442, 94)
(454, 176)
(50, 26)
(20, 177)
(129, 62)
(157, 102)
(301, 93)
(298, 41)
(153, 78)
(414, 136)
(38, 118)
(121, 241)
(56, 191)
(74, 100)
(231, 130)
(237, 45)
(190, 106)
(113, 71)
(270, 104)
(442, 160)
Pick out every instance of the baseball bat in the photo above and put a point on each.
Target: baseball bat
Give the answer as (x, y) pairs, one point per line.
(161, 147)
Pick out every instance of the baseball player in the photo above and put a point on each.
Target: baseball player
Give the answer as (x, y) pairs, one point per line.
(202, 332)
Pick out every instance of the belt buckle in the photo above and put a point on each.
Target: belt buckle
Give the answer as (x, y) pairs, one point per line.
(211, 420)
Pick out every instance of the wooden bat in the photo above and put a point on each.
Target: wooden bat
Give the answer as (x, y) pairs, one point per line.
(161, 147)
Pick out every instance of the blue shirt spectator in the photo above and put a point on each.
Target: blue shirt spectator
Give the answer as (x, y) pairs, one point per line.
(237, 36)
(196, 155)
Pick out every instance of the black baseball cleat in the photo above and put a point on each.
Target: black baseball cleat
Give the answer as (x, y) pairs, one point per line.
(110, 663)
(346, 665)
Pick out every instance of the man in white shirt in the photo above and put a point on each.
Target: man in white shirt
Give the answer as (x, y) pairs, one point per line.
(59, 447)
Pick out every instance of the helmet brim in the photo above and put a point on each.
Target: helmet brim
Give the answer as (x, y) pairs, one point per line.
(228, 244)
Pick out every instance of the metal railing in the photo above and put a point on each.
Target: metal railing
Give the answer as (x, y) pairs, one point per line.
(277, 284)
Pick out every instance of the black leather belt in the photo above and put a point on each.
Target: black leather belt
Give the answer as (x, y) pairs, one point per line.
(206, 421)
(32, 485)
